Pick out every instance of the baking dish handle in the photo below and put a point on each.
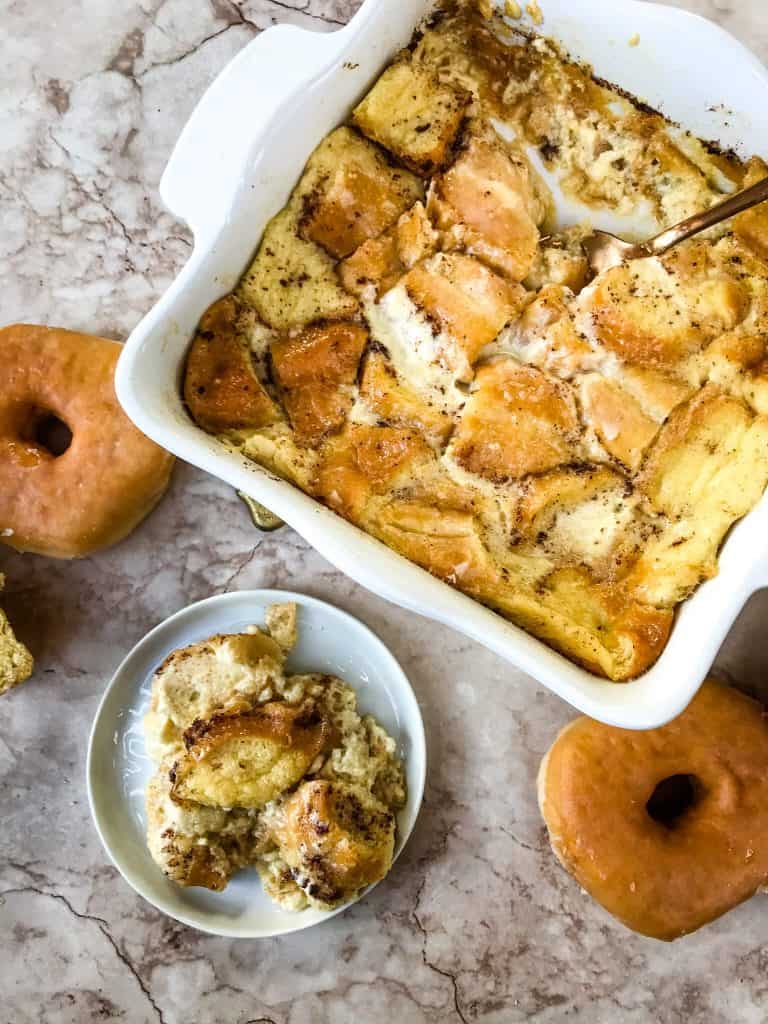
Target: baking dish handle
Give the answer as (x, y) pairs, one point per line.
(208, 160)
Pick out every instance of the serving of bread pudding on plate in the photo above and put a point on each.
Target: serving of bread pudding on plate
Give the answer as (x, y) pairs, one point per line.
(418, 345)
(259, 768)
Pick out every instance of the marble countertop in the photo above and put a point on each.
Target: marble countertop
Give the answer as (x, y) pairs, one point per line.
(477, 921)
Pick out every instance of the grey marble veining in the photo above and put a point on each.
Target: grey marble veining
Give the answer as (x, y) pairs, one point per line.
(477, 921)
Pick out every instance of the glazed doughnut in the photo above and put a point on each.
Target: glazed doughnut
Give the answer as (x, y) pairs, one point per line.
(667, 829)
(75, 474)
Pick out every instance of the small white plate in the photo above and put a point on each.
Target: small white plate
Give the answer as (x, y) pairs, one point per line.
(118, 766)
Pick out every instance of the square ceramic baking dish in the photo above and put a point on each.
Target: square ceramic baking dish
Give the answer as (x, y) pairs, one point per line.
(233, 168)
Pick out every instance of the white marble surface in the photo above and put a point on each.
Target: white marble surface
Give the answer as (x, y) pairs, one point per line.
(477, 922)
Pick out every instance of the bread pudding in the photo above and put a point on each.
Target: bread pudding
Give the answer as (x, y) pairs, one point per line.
(258, 768)
(418, 344)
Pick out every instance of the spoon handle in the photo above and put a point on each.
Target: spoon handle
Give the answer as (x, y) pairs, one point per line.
(721, 211)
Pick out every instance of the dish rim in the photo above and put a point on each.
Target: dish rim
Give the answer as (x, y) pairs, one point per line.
(415, 732)
(701, 623)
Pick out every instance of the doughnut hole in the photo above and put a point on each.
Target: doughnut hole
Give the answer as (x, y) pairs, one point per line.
(31, 434)
(50, 432)
(672, 798)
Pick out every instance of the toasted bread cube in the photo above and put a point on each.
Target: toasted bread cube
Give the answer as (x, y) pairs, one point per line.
(198, 680)
(221, 388)
(646, 314)
(706, 469)
(416, 238)
(367, 460)
(413, 115)
(443, 540)
(336, 838)
(248, 759)
(466, 300)
(486, 199)
(546, 335)
(381, 262)
(397, 402)
(316, 371)
(293, 282)
(355, 194)
(518, 420)
(618, 419)
(711, 453)
(381, 452)
(374, 268)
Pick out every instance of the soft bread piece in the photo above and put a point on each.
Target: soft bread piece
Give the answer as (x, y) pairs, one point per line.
(486, 203)
(276, 448)
(546, 336)
(221, 388)
(315, 371)
(599, 625)
(248, 759)
(668, 875)
(196, 845)
(16, 662)
(444, 540)
(467, 301)
(367, 460)
(281, 625)
(560, 260)
(646, 313)
(351, 193)
(412, 114)
(708, 467)
(380, 262)
(395, 401)
(292, 281)
(518, 420)
(195, 682)
(337, 838)
(581, 515)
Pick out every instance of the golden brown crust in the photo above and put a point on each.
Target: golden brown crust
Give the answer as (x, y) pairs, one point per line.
(518, 421)
(336, 838)
(250, 758)
(356, 198)
(108, 479)
(315, 371)
(664, 876)
(415, 116)
(221, 388)
(466, 300)
(486, 201)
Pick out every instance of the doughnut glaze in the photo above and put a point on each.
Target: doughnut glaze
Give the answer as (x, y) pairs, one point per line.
(75, 474)
(667, 859)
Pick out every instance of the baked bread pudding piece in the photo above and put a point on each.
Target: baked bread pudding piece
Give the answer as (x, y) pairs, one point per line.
(258, 768)
(15, 660)
(417, 343)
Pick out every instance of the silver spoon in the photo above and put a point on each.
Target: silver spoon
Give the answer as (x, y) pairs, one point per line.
(604, 250)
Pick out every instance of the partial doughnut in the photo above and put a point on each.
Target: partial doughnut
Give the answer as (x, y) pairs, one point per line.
(667, 829)
(75, 474)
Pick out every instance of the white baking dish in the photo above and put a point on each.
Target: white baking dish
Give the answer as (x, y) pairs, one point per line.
(233, 168)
